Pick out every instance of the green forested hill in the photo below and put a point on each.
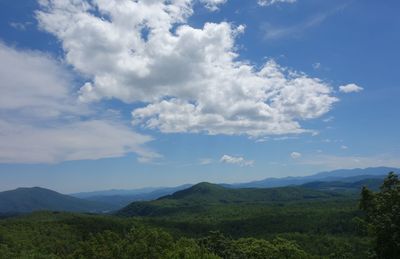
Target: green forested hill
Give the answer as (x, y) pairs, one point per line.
(24, 200)
(205, 195)
(213, 193)
(321, 222)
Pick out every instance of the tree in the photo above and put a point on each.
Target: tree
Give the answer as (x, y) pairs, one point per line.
(186, 248)
(382, 210)
(106, 245)
(262, 249)
(253, 248)
(218, 244)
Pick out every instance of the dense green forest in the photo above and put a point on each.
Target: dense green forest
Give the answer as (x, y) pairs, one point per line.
(209, 221)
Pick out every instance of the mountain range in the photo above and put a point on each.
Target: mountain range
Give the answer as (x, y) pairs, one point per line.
(124, 197)
(336, 175)
(23, 200)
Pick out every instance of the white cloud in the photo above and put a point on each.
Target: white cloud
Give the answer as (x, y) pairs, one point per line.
(236, 160)
(350, 88)
(271, 2)
(213, 4)
(344, 147)
(206, 161)
(262, 140)
(34, 85)
(329, 119)
(21, 26)
(295, 155)
(284, 138)
(277, 32)
(81, 140)
(190, 79)
(41, 122)
(316, 65)
(273, 32)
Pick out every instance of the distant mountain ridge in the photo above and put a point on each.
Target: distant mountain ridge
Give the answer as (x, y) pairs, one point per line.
(24, 200)
(115, 192)
(355, 186)
(361, 173)
(33, 199)
(121, 198)
(202, 195)
(319, 187)
(336, 175)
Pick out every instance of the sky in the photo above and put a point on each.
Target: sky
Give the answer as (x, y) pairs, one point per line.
(123, 94)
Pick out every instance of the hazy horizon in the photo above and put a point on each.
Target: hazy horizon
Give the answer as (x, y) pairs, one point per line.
(105, 188)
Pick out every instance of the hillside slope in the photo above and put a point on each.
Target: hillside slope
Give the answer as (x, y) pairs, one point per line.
(202, 195)
(23, 200)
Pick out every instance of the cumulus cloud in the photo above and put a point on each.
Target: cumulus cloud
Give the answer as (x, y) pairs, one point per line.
(350, 88)
(271, 2)
(34, 86)
(295, 155)
(41, 121)
(189, 79)
(236, 160)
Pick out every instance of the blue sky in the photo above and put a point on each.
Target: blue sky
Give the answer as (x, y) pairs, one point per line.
(116, 94)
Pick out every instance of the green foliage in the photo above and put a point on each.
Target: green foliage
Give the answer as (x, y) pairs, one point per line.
(382, 211)
(331, 246)
(66, 235)
(218, 244)
(103, 245)
(186, 248)
(252, 248)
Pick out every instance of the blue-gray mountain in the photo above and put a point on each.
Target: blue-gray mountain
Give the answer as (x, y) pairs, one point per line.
(24, 200)
(346, 175)
(121, 198)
